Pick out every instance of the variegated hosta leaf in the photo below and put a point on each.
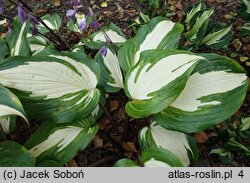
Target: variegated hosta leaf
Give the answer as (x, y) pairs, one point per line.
(52, 21)
(198, 25)
(154, 157)
(245, 123)
(183, 146)
(17, 39)
(245, 9)
(139, 21)
(61, 142)
(97, 39)
(191, 11)
(235, 145)
(113, 32)
(245, 30)
(36, 43)
(3, 22)
(153, 3)
(111, 79)
(8, 123)
(157, 80)
(217, 36)
(49, 163)
(15, 155)
(221, 152)
(60, 87)
(214, 91)
(97, 112)
(73, 26)
(159, 33)
(125, 163)
(4, 49)
(10, 104)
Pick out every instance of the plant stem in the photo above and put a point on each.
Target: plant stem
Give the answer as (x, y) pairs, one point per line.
(106, 35)
(6, 17)
(114, 125)
(107, 138)
(125, 132)
(60, 38)
(104, 32)
(104, 160)
(3, 134)
(63, 43)
(139, 158)
(58, 45)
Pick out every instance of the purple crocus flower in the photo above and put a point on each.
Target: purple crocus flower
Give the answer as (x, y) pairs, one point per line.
(1, 7)
(21, 13)
(77, 2)
(104, 51)
(83, 25)
(108, 40)
(93, 24)
(34, 30)
(33, 20)
(34, 23)
(71, 14)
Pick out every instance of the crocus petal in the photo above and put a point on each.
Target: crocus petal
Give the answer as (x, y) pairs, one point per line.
(108, 40)
(71, 14)
(104, 51)
(77, 2)
(21, 14)
(1, 7)
(83, 25)
(93, 24)
(33, 20)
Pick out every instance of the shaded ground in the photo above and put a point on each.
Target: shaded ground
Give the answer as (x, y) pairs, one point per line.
(102, 152)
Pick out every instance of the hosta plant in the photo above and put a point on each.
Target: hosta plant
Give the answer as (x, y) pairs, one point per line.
(200, 32)
(179, 91)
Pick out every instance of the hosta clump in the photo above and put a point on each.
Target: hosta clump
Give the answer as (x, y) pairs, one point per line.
(179, 87)
(200, 32)
(181, 90)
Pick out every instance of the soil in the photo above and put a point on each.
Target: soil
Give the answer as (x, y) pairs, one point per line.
(122, 12)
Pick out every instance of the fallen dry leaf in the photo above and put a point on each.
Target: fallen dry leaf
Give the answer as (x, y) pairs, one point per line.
(129, 146)
(114, 104)
(98, 141)
(179, 6)
(121, 113)
(72, 163)
(201, 137)
(57, 3)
